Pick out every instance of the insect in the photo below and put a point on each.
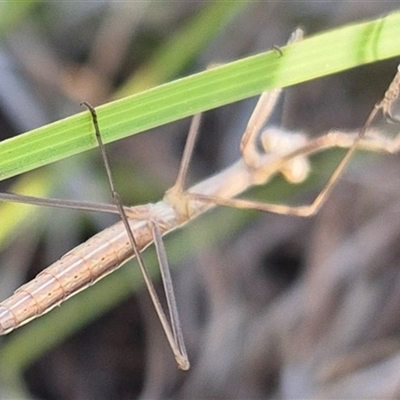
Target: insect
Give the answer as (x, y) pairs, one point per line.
(146, 224)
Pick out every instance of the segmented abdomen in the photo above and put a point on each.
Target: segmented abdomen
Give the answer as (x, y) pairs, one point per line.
(78, 269)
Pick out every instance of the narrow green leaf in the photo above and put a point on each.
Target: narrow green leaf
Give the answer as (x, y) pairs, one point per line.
(315, 57)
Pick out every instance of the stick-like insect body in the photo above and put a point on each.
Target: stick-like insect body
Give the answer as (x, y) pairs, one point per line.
(143, 225)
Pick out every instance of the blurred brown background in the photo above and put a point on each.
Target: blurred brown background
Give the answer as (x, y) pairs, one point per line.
(283, 307)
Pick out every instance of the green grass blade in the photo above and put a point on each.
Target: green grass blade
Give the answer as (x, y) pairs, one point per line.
(318, 56)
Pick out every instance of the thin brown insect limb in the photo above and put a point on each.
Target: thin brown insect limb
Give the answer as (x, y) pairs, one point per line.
(260, 116)
(58, 203)
(176, 347)
(168, 288)
(174, 196)
(278, 50)
(306, 211)
(179, 185)
(391, 95)
(187, 153)
(102, 149)
(261, 113)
